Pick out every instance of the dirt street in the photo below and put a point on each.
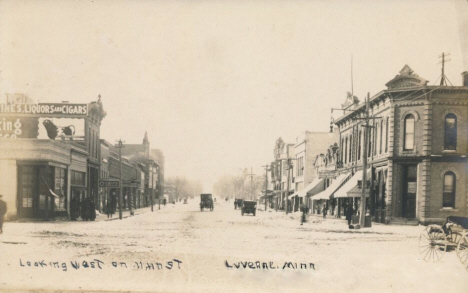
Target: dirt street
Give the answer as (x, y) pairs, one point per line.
(181, 249)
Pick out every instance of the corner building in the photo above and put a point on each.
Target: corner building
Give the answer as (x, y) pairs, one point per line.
(417, 150)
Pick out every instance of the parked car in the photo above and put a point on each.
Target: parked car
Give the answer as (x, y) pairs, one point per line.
(238, 203)
(249, 207)
(206, 201)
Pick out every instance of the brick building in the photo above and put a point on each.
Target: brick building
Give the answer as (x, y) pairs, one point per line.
(417, 151)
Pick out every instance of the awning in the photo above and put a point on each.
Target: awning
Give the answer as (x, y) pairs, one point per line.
(352, 183)
(314, 187)
(332, 188)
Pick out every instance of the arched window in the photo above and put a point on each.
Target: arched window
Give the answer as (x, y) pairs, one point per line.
(448, 199)
(450, 136)
(409, 132)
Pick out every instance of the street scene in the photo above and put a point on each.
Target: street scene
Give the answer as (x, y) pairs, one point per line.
(210, 250)
(225, 146)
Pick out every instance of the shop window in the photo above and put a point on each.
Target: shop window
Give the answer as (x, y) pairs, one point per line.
(450, 135)
(409, 132)
(448, 200)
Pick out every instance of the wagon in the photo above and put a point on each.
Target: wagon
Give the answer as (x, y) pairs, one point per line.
(435, 240)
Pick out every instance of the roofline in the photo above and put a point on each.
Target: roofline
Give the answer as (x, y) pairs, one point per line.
(387, 91)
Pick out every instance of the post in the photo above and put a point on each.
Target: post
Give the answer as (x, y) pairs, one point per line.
(152, 192)
(362, 216)
(266, 184)
(120, 178)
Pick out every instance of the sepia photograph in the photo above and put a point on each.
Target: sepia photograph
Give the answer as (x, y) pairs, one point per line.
(234, 146)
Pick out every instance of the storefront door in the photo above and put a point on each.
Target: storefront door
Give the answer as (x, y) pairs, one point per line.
(27, 187)
(409, 191)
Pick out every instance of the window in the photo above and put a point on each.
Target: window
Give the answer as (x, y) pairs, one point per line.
(77, 178)
(381, 138)
(448, 199)
(409, 132)
(346, 151)
(386, 135)
(359, 145)
(350, 148)
(450, 137)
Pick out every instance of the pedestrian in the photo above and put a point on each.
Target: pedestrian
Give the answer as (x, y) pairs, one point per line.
(3, 211)
(131, 204)
(109, 208)
(304, 212)
(91, 210)
(164, 201)
(349, 213)
(325, 212)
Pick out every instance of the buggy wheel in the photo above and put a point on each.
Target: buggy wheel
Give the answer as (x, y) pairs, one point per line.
(462, 250)
(432, 243)
(454, 237)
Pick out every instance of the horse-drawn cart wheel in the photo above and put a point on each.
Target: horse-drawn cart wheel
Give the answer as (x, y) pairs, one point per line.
(454, 237)
(462, 250)
(432, 243)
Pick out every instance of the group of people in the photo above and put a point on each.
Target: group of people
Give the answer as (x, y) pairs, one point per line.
(349, 212)
(86, 209)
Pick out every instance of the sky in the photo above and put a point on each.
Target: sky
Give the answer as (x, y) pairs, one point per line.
(215, 83)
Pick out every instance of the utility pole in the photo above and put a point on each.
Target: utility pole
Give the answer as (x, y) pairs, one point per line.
(288, 161)
(362, 216)
(120, 146)
(443, 77)
(267, 168)
(251, 182)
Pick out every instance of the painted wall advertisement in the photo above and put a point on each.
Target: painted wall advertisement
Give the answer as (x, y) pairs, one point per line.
(42, 128)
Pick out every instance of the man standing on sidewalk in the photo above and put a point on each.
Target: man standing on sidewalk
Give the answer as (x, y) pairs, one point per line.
(3, 210)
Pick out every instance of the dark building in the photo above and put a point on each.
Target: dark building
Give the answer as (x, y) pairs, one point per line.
(49, 153)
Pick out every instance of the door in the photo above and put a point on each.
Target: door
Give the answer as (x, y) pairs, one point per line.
(26, 191)
(409, 191)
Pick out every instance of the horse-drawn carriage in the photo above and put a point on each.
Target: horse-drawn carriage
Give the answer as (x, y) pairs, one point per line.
(435, 240)
(206, 201)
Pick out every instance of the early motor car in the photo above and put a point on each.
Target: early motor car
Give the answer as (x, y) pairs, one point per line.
(238, 203)
(206, 201)
(249, 207)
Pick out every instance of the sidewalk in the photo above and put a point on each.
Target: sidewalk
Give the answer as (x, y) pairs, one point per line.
(126, 213)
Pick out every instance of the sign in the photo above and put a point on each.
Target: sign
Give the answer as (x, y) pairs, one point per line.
(109, 183)
(325, 174)
(19, 127)
(58, 128)
(62, 109)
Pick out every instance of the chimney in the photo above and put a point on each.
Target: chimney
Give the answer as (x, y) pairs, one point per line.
(465, 78)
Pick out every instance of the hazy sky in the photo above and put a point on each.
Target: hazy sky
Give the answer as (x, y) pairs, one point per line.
(215, 83)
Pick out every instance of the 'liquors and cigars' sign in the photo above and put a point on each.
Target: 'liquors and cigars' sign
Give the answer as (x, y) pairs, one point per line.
(43, 121)
(45, 109)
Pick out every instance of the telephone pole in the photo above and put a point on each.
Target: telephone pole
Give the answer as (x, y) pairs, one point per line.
(251, 182)
(443, 77)
(120, 146)
(362, 216)
(267, 168)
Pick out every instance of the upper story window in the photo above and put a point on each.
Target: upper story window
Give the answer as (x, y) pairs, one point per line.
(448, 199)
(450, 134)
(346, 151)
(409, 132)
(350, 148)
(359, 145)
(386, 135)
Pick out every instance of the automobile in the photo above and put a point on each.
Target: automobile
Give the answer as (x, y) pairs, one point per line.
(206, 201)
(238, 203)
(249, 207)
